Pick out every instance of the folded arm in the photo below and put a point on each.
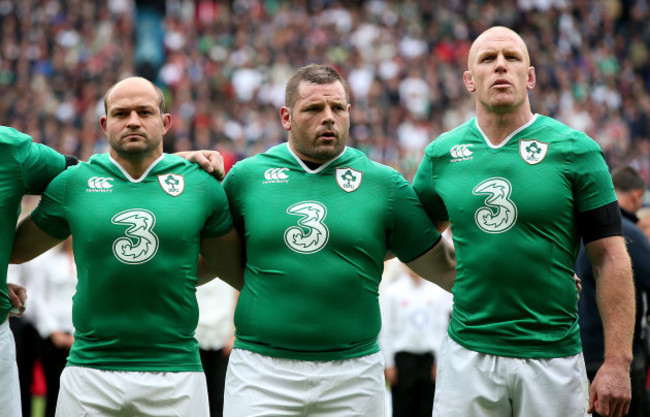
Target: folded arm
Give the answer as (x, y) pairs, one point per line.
(30, 241)
(437, 265)
(223, 257)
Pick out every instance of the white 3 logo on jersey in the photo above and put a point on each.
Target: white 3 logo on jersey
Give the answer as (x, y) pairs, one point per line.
(141, 243)
(311, 235)
(501, 212)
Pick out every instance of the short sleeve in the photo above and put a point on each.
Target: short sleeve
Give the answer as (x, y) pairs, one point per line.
(592, 182)
(413, 233)
(231, 187)
(39, 163)
(220, 221)
(424, 186)
(49, 215)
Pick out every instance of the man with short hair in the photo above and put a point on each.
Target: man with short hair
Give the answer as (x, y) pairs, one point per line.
(519, 190)
(139, 219)
(318, 219)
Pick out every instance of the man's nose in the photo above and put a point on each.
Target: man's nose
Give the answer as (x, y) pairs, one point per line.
(500, 62)
(328, 115)
(134, 119)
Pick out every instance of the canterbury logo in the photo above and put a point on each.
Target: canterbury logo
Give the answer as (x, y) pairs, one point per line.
(461, 151)
(276, 175)
(100, 184)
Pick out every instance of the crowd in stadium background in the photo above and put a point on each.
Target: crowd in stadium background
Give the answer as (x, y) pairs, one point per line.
(223, 66)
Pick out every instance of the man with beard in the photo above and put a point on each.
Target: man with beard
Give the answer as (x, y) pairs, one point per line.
(139, 219)
(318, 219)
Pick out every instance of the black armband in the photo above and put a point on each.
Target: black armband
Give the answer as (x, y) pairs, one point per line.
(70, 160)
(604, 221)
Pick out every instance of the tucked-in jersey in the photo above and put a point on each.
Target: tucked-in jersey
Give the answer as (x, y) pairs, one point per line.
(25, 168)
(315, 245)
(513, 210)
(136, 245)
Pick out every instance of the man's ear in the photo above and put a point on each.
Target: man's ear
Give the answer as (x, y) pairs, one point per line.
(468, 79)
(285, 117)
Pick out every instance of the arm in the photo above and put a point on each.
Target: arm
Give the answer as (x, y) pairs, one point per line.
(223, 256)
(610, 392)
(441, 225)
(437, 265)
(30, 241)
(210, 161)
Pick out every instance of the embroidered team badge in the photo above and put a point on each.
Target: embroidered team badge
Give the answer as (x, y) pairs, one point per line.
(172, 184)
(532, 151)
(348, 179)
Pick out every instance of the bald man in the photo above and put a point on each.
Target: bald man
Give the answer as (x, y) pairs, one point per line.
(520, 190)
(139, 219)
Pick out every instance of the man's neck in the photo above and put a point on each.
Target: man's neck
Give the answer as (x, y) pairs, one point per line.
(135, 165)
(498, 126)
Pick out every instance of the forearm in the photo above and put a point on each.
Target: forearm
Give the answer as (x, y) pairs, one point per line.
(438, 265)
(615, 297)
(30, 241)
(616, 302)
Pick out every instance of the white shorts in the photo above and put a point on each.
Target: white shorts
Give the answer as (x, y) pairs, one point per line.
(473, 384)
(10, 391)
(94, 392)
(258, 385)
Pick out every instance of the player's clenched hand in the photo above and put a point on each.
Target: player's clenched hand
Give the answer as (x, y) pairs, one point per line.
(578, 284)
(210, 161)
(18, 298)
(610, 392)
(391, 375)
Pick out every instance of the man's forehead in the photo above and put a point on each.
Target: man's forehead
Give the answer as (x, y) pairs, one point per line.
(312, 91)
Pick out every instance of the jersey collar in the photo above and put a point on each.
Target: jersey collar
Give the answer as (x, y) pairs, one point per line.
(144, 174)
(510, 136)
(320, 168)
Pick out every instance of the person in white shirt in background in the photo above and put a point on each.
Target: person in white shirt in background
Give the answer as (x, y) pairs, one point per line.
(215, 334)
(55, 273)
(28, 341)
(415, 316)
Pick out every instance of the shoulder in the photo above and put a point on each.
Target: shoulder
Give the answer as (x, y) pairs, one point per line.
(11, 137)
(359, 160)
(256, 165)
(447, 140)
(556, 131)
(20, 145)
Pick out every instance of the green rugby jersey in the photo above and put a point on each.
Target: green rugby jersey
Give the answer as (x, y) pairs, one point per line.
(513, 210)
(136, 245)
(315, 245)
(25, 168)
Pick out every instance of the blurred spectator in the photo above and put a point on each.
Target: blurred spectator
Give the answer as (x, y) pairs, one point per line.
(55, 274)
(216, 335)
(28, 341)
(644, 221)
(415, 315)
